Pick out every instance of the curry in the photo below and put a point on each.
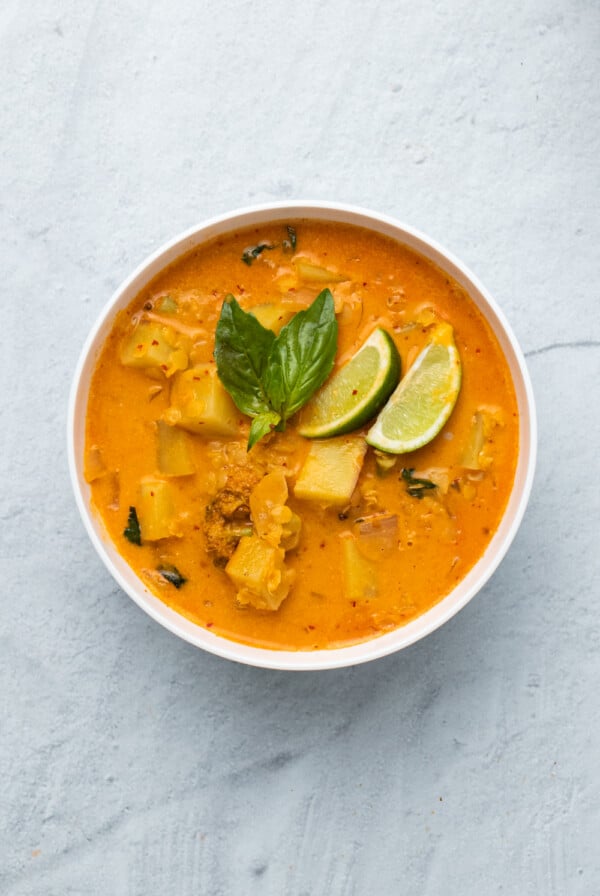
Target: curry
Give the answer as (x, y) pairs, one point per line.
(208, 489)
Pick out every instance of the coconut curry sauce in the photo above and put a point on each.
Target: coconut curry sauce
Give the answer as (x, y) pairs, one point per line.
(273, 547)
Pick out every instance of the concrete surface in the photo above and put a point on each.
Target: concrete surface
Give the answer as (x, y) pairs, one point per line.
(130, 763)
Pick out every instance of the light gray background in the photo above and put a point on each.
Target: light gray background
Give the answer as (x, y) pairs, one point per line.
(131, 763)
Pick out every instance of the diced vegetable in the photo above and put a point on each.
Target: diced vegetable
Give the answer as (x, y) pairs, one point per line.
(331, 470)
(174, 456)
(166, 305)
(439, 476)
(314, 273)
(152, 345)
(484, 422)
(156, 509)
(272, 316)
(359, 574)
(470, 457)
(200, 403)
(385, 462)
(376, 535)
(273, 520)
(258, 572)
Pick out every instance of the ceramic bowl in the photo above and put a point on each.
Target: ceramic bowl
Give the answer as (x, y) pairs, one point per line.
(377, 646)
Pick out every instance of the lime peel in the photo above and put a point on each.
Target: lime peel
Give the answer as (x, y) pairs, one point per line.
(356, 392)
(423, 401)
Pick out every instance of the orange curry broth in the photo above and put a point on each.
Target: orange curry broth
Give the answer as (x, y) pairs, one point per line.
(440, 537)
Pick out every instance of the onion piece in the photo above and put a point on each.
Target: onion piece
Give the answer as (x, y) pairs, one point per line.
(376, 535)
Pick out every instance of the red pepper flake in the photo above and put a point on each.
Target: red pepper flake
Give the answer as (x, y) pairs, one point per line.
(365, 284)
(353, 603)
(209, 624)
(151, 494)
(164, 366)
(322, 545)
(241, 289)
(311, 627)
(155, 342)
(477, 351)
(355, 391)
(140, 346)
(197, 528)
(197, 378)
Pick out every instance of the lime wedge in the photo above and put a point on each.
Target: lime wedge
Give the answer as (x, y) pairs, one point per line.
(424, 399)
(355, 392)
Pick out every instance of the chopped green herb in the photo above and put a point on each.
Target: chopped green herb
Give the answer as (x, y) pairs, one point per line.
(252, 252)
(416, 487)
(132, 530)
(271, 377)
(290, 244)
(172, 575)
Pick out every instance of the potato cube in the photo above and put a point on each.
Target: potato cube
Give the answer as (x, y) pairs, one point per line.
(314, 273)
(173, 450)
(272, 316)
(331, 470)
(359, 574)
(201, 404)
(152, 345)
(156, 509)
(258, 572)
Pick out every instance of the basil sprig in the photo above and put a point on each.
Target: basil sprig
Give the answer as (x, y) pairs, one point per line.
(271, 377)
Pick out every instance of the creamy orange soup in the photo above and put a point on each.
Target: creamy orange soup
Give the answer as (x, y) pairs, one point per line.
(331, 569)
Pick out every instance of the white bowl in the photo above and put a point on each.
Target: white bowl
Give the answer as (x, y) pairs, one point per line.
(377, 646)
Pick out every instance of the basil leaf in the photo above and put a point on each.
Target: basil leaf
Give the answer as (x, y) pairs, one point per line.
(269, 377)
(172, 575)
(261, 425)
(416, 487)
(132, 530)
(289, 245)
(302, 356)
(252, 252)
(242, 347)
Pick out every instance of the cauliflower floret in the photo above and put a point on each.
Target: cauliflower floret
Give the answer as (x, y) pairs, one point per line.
(273, 520)
(257, 566)
(227, 517)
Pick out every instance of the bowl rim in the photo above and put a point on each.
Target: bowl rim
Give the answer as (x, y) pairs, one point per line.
(464, 591)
